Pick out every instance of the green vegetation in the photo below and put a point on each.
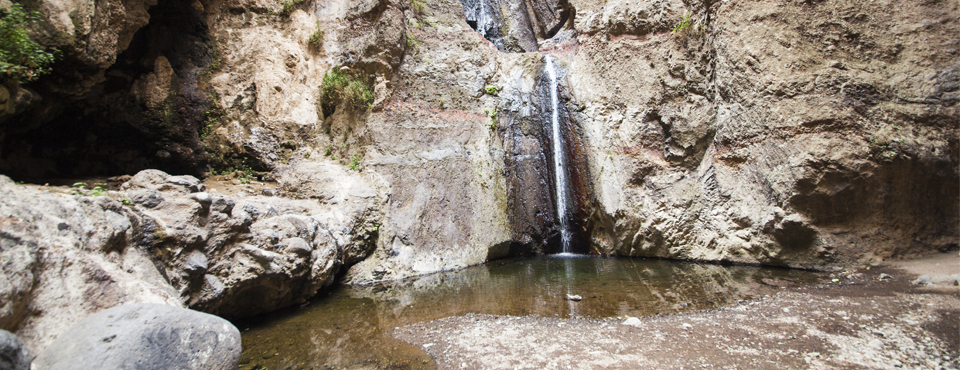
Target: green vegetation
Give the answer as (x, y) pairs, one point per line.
(209, 123)
(355, 162)
(80, 189)
(22, 59)
(492, 89)
(418, 6)
(290, 5)
(316, 39)
(684, 26)
(242, 172)
(493, 119)
(412, 41)
(353, 90)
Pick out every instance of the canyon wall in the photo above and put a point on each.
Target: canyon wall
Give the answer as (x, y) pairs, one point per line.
(808, 134)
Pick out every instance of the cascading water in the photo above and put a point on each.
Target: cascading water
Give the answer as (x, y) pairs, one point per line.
(484, 17)
(558, 157)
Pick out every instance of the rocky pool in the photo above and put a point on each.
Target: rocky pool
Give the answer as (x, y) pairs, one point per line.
(348, 327)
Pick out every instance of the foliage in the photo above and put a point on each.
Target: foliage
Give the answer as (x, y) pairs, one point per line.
(80, 189)
(355, 162)
(412, 41)
(290, 5)
(684, 26)
(351, 89)
(418, 6)
(493, 119)
(244, 173)
(209, 123)
(22, 59)
(316, 39)
(492, 89)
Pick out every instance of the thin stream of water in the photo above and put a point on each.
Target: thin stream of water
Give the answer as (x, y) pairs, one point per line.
(558, 157)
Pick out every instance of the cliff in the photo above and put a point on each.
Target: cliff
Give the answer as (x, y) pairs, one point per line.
(808, 134)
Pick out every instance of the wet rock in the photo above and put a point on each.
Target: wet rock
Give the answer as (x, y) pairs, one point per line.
(573, 297)
(13, 354)
(145, 336)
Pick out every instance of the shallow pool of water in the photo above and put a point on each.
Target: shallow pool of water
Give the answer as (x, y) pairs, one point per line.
(347, 327)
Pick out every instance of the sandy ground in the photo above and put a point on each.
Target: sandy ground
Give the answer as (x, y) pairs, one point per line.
(866, 319)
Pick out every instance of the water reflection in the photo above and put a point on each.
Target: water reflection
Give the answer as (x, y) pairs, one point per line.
(347, 327)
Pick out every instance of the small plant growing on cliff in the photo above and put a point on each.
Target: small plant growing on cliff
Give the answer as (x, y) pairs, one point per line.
(492, 89)
(412, 41)
(493, 119)
(684, 26)
(80, 189)
(355, 162)
(21, 58)
(290, 5)
(418, 6)
(353, 90)
(316, 39)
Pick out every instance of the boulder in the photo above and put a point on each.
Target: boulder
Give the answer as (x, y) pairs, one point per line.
(13, 354)
(145, 336)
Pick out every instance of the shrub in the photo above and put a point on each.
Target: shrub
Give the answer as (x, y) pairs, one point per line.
(355, 162)
(22, 59)
(316, 39)
(345, 87)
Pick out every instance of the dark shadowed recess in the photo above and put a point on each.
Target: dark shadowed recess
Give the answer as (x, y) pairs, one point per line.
(107, 130)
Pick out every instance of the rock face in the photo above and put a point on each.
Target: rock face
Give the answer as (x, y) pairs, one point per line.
(66, 257)
(13, 354)
(166, 239)
(788, 133)
(145, 336)
(237, 257)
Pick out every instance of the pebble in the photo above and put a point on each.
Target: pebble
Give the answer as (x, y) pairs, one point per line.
(632, 321)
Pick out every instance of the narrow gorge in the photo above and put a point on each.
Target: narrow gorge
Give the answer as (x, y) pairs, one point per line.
(249, 159)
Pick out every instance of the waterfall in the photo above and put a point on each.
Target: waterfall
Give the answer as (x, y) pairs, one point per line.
(558, 157)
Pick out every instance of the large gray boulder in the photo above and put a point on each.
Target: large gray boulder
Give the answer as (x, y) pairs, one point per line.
(13, 354)
(145, 336)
